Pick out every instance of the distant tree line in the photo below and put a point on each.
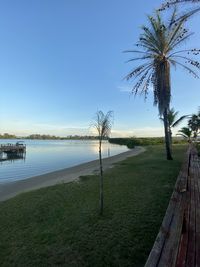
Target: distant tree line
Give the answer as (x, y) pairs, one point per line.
(7, 136)
(53, 137)
(49, 137)
(44, 137)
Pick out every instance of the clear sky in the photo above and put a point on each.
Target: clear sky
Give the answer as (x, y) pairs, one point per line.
(62, 60)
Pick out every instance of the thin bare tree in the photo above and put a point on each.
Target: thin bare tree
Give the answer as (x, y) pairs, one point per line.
(102, 124)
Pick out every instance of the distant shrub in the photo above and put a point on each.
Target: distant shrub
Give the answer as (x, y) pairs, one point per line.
(180, 141)
(122, 141)
(133, 141)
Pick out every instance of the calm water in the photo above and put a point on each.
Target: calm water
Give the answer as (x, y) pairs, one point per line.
(47, 156)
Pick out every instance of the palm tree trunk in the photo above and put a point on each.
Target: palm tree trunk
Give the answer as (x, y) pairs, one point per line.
(170, 136)
(101, 181)
(167, 136)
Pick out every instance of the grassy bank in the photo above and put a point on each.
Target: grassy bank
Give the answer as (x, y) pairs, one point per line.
(60, 225)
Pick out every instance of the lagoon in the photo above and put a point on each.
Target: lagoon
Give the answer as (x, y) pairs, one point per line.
(44, 156)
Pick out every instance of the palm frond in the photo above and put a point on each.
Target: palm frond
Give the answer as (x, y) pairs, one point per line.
(146, 84)
(194, 51)
(135, 51)
(171, 3)
(189, 14)
(143, 81)
(186, 68)
(158, 48)
(150, 36)
(138, 71)
(178, 41)
(172, 114)
(185, 132)
(148, 48)
(177, 34)
(103, 123)
(191, 61)
(173, 18)
(177, 122)
(139, 58)
(183, 135)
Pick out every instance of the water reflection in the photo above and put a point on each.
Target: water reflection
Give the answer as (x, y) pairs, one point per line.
(12, 157)
(46, 156)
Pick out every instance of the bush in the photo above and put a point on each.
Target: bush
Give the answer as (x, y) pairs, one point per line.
(131, 142)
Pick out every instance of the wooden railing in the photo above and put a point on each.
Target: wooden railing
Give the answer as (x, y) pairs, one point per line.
(12, 148)
(178, 240)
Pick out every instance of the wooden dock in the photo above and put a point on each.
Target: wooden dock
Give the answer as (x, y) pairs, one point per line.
(17, 148)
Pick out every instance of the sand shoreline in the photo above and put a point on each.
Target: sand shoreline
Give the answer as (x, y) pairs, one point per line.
(62, 176)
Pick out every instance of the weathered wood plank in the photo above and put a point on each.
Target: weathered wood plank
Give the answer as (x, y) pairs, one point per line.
(156, 251)
(178, 241)
(170, 249)
(173, 216)
(181, 256)
(198, 215)
(190, 261)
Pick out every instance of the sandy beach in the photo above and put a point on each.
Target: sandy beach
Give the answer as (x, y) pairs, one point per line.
(62, 176)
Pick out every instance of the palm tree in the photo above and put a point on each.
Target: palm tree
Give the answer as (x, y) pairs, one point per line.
(186, 132)
(194, 123)
(173, 121)
(158, 48)
(102, 124)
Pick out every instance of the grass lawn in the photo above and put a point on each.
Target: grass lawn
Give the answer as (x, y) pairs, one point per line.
(60, 225)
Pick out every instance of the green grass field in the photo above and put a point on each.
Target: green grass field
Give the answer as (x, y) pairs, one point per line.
(60, 225)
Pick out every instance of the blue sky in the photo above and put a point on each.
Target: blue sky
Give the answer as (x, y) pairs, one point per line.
(61, 61)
